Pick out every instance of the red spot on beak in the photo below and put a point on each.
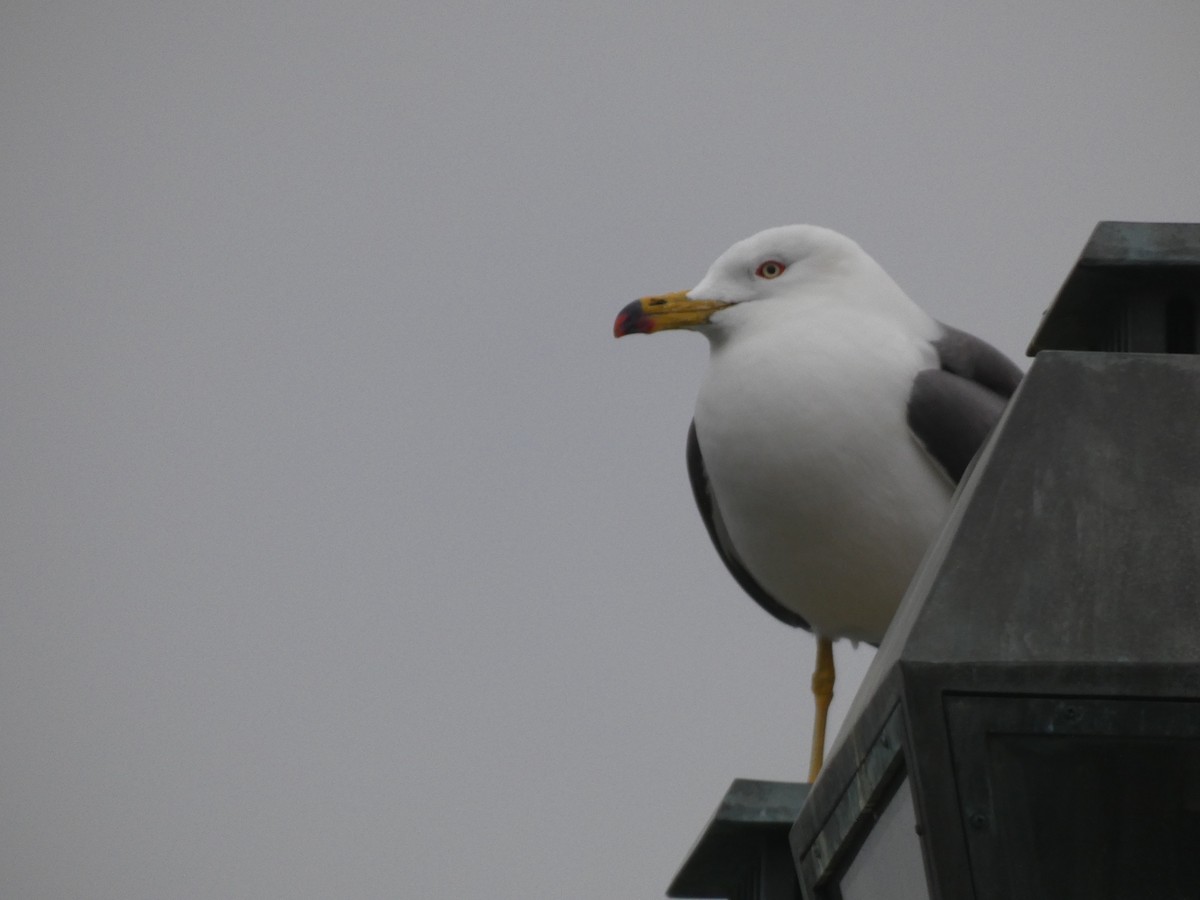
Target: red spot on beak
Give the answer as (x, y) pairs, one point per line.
(631, 320)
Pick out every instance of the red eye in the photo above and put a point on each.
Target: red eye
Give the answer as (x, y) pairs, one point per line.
(772, 268)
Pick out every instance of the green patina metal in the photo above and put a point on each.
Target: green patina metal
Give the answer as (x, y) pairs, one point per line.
(1135, 288)
(743, 852)
(858, 807)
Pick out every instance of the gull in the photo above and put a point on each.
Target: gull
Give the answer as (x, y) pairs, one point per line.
(831, 427)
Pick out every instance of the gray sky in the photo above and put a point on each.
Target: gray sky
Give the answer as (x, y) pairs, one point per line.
(345, 554)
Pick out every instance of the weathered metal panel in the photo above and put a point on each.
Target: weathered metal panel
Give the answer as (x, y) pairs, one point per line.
(1081, 538)
(1135, 288)
(743, 851)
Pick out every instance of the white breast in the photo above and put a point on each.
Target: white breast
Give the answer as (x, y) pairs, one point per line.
(827, 497)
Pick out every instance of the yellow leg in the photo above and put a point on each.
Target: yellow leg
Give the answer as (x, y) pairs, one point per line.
(822, 688)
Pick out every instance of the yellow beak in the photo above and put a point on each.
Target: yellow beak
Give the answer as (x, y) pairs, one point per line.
(664, 312)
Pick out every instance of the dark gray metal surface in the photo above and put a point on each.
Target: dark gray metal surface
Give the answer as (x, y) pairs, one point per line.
(879, 768)
(743, 851)
(1065, 797)
(1143, 243)
(1080, 538)
(1135, 288)
(1070, 567)
(1073, 567)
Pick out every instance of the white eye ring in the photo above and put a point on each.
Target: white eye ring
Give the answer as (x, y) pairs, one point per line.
(772, 268)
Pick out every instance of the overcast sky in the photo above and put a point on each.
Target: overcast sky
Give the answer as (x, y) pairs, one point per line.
(345, 553)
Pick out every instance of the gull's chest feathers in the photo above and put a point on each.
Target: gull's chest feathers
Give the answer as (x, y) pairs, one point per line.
(812, 399)
(825, 493)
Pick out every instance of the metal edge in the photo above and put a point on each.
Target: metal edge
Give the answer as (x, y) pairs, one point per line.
(857, 807)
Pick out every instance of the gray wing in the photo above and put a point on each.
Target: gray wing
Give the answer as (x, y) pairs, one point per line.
(952, 409)
(707, 505)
